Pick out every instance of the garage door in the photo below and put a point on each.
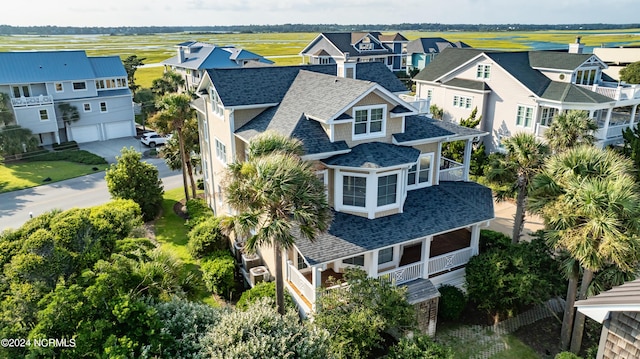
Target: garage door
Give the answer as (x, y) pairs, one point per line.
(118, 129)
(88, 133)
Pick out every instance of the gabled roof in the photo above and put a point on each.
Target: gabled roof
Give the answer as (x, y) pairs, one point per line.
(375, 155)
(422, 128)
(448, 60)
(44, 66)
(344, 41)
(427, 211)
(566, 92)
(397, 37)
(200, 55)
(268, 85)
(560, 60)
(625, 297)
(427, 45)
(107, 66)
(468, 84)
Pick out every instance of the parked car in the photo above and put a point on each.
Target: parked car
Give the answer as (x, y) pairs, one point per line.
(153, 139)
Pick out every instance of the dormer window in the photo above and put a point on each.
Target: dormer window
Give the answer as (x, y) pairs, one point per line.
(586, 77)
(421, 174)
(369, 121)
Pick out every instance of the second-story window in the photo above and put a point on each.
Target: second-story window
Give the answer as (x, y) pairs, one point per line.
(483, 71)
(44, 115)
(103, 107)
(586, 77)
(87, 107)
(354, 191)
(221, 151)
(369, 121)
(79, 86)
(387, 190)
(59, 87)
(420, 174)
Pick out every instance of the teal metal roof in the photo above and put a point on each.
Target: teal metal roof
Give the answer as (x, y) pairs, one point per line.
(107, 66)
(44, 66)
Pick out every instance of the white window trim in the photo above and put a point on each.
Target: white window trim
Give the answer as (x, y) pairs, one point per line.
(46, 112)
(216, 104)
(484, 70)
(524, 116)
(368, 134)
(55, 87)
(371, 196)
(423, 184)
(84, 107)
(106, 108)
(462, 101)
(222, 160)
(79, 82)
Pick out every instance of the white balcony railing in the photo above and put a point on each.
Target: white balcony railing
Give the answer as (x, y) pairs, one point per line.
(31, 101)
(449, 260)
(403, 274)
(614, 90)
(611, 132)
(420, 104)
(301, 283)
(451, 170)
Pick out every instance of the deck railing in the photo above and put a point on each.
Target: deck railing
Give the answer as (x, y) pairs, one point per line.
(451, 170)
(449, 260)
(403, 274)
(303, 285)
(32, 101)
(420, 104)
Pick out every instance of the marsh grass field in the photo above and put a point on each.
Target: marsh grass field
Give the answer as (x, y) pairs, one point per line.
(284, 48)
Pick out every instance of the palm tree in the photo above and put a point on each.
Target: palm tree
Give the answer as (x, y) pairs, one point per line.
(168, 83)
(278, 198)
(174, 112)
(589, 201)
(524, 158)
(570, 129)
(173, 156)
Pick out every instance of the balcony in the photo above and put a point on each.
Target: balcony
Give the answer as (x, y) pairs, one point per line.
(420, 104)
(451, 170)
(31, 101)
(615, 90)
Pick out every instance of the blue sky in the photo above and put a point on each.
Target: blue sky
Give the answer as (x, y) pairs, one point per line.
(245, 12)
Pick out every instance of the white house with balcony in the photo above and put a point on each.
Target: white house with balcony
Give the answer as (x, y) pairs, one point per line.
(37, 82)
(522, 91)
(402, 211)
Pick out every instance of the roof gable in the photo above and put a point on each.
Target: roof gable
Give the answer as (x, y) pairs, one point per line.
(448, 60)
(560, 60)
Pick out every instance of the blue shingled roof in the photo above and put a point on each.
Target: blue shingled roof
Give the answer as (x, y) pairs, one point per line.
(44, 66)
(207, 56)
(420, 127)
(427, 211)
(375, 155)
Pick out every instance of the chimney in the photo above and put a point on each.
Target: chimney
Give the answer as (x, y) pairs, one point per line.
(180, 54)
(576, 47)
(346, 68)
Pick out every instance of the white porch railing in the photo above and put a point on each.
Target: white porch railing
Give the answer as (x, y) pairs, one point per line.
(403, 274)
(303, 285)
(421, 104)
(31, 101)
(541, 129)
(451, 170)
(614, 90)
(449, 260)
(611, 132)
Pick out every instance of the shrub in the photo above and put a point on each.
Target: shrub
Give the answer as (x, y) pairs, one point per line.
(259, 291)
(421, 346)
(206, 237)
(218, 273)
(503, 281)
(260, 332)
(452, 302)
(198, 210)
(77, 156)
(493, 240)
(69, 145)
(566, 355)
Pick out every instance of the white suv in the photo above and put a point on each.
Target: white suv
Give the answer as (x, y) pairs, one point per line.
(153, 139)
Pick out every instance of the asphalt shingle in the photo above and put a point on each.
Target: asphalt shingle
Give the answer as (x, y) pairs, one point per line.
(420, 127)
(375, 155)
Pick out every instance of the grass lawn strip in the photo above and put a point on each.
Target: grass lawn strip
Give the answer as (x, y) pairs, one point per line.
(171, 233)
(21, 175)
(481, 342)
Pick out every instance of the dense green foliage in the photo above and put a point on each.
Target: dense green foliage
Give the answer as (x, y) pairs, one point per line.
(631, 147)
(260, 332)
(17, 142)
(197, 210)
(259, 291)
(631, 73)
(492, 240)
(131, 178)
(570, 129)
(78, 156)
(218, 273)
(206, 237)
(502, 281)
(67, 145)
(421, 346)
(452, 302)
(358, 317)
(454, 150)
(566, 355)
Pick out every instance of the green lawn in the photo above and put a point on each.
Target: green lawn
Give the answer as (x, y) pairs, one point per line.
(171, 233)
(15, 176)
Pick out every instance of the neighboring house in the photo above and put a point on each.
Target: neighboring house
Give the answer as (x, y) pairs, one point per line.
(194, 58)
(617, 58)
(522, 91)
(402, 212)
(38, 82)
(420, 52)
(332, 47)
(618, 310)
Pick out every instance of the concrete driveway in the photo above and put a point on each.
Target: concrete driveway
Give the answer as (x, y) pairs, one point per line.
(111, 148)
(505, 212)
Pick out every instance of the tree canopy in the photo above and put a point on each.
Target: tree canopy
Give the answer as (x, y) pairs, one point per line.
(631, 73)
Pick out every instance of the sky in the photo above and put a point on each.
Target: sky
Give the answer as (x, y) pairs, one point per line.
(262, 12)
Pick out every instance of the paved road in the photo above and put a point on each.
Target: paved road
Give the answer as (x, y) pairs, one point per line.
(83, 191)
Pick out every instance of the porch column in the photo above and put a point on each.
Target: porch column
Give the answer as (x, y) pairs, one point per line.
(287, 270)
(467, 159)
(606, 123)
(633, 116)
(372, 267)
(437, 162)
(424, 256)
(316, 283)
(475, 239)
